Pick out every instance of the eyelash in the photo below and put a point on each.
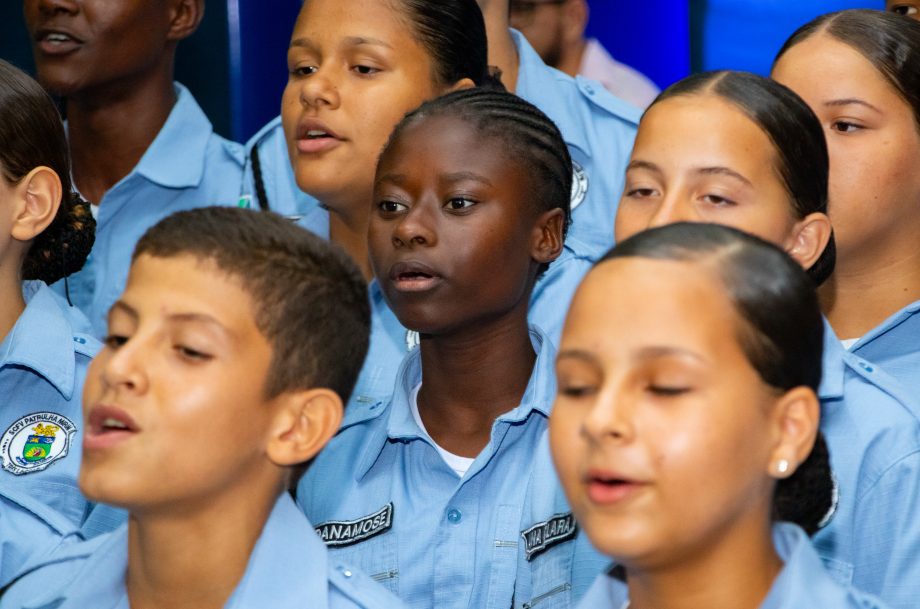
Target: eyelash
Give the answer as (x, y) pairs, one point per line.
(667, 391)
(114, 341)
(851, 127)
(578, 391)
(465, 201)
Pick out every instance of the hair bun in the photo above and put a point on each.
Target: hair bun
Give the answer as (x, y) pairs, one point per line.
(62, 248)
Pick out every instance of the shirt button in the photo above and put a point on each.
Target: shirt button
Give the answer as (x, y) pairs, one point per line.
(345, 572)
(454, 516)
(866, 366)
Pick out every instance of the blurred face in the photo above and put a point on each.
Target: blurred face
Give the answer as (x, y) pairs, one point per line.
(908, 8)
(698, 158)
(541, 22)
(661, 428)
(80, 45)
(355, 70)
(872, 138)
(451, 235)
(174, 409)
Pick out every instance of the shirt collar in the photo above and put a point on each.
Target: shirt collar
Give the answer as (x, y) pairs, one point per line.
(42, 340)
(538, 83)
(896, 319)
(176, 157)
(397, 423)
(802, 582)
(833, 365)
(288, 561)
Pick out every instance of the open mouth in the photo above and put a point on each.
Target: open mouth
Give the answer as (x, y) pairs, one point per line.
(57, 42)
(107, 426)
(413, 277)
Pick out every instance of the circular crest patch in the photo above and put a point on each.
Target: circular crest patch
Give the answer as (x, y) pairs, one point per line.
(412, 340)
(35, 441)
(579, 184)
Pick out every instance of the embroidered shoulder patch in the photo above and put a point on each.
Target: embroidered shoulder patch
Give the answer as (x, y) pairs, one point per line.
(341, 533)
(579, 185)
(35, 441)
(544, 535)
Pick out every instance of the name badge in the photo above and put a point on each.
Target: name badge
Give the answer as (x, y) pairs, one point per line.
(341, 533)
(545, 535)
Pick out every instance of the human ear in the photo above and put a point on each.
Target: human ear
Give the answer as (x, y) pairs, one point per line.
(463, 83)
(810, 236)
(304, 423)
(38, 197)
(795, 425)
(185, 17)
(547, 241)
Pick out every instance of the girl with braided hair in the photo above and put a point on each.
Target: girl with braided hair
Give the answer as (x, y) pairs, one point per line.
(46, 232)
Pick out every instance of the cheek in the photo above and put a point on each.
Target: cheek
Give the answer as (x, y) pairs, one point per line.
(630, 220)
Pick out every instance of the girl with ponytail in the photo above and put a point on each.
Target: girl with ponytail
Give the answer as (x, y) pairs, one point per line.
(685, 428)
(46, 232)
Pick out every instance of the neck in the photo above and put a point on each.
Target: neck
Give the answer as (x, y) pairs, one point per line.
(349, 230)
(502, 51)
(571, 59)
(13, 304)
(734, 572)
(194, 558)
(867, 288)
(471, 377)
(110, 129)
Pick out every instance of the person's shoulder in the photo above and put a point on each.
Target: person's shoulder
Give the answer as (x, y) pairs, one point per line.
(349, 588)
(864, 378)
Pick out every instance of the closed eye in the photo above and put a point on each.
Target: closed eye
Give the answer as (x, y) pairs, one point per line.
(114, 341)
(192, 354)
(667, 391)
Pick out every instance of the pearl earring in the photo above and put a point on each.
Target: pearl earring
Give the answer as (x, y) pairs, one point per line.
(782, 466)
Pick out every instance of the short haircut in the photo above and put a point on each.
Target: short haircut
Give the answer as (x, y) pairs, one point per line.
(781, 331)
(793, 129)
(310, 299)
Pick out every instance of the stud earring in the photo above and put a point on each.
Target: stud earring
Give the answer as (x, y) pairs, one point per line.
(782, 466)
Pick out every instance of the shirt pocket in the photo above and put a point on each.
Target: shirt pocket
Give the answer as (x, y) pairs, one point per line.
(548, 551)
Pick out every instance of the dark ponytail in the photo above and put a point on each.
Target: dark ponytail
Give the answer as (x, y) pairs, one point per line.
(32, 135)
(782, 333)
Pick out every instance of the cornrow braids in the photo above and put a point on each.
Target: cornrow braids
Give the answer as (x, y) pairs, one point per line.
(531, 137)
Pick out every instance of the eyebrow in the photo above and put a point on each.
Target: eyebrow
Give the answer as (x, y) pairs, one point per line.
(448, 178)
(122, 306)
(714, 170)
(656, 352)
(579, 354)
(352, 41)
(849, 101)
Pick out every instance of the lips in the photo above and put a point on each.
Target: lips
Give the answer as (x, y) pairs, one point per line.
(414, 276)
(57, 41)
(313, 136)
(106, 427)
(609, 488)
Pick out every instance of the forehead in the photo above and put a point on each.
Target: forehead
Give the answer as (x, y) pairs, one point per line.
(332, 20)
(701, 130)
(627, 304)
(158, 287)
(453, 143)
(822, 68)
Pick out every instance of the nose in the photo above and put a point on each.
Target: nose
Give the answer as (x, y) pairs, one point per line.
(672, 208)
(123, 367)
(415, 228)
(53, 7)
(610, 418)
(319, 89)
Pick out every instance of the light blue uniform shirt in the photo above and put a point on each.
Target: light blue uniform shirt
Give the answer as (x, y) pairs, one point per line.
(801, 584)
(43, 366)
(289, 569)
(29, 530)
(385, 501)
(186, 166)
(873, 434)
(895, 346)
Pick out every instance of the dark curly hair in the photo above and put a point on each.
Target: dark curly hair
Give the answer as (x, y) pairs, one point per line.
(32, 135)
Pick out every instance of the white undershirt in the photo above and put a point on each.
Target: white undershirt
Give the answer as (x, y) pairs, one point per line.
(459, 464)
(848, 343)
(94, 209)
